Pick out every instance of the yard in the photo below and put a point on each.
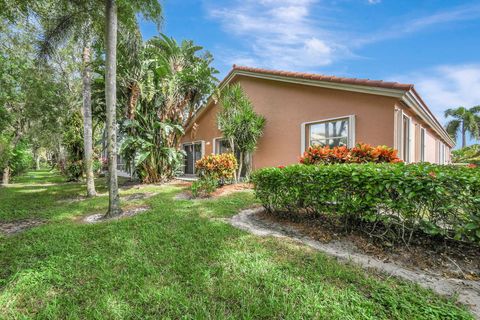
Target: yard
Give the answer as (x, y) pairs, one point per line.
(179, 259)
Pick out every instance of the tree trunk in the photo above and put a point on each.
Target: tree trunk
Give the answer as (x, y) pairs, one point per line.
(87, 120)
(240, 167)
(6, 176)
(37, 162)
(249, 164)
(464, 135)
(232, 146)
(110, 101)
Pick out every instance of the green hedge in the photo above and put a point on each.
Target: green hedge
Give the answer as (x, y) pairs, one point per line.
(439, 200)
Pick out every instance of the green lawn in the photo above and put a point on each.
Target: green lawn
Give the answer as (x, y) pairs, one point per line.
(175, 261)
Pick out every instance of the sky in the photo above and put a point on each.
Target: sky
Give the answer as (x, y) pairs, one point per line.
(433, 44)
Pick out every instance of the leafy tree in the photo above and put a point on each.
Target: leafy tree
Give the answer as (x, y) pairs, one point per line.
(466, 121)
(239, 123)
(30, 97)
(173, 81)
(81, 22)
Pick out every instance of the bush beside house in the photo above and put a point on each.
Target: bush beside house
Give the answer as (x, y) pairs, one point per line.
(361, 153)
(438, 200)
(213, 170)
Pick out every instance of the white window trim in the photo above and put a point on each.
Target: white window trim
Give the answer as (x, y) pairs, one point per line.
(351, 130)
(441, 152)
(411, 142)
(214, 141)
(423, 144)
(410, 151)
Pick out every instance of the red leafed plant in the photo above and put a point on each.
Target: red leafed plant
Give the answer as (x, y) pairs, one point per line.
(361, 153)
(217, 166)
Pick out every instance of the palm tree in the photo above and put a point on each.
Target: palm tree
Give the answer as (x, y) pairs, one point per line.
(150, 9)
(110, 101)
(465, 120)
(77, 20)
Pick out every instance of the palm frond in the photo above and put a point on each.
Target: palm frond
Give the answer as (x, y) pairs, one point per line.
(57, 31)
(452, 128)
(455, 112)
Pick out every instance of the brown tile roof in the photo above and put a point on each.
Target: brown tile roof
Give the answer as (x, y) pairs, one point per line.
(320, 77)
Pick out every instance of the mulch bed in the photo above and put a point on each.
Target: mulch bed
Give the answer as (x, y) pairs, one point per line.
(220, 192)
(127, 212)
(443, 257)
(13, 227)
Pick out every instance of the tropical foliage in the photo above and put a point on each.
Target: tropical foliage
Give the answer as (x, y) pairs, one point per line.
(172, 82)
(221, 167)
(213, 170)
(404, 199)
(239, 124)
(464, 121)
(361, 153)
(204, 187)
(470, 154)
(31, 99)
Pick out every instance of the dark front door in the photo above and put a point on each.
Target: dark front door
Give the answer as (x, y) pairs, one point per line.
(193, 153)
(188, 148)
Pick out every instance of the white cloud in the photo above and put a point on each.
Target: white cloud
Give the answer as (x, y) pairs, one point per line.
(456, 14)
(447, 86)
(304, 35)
(279, 34)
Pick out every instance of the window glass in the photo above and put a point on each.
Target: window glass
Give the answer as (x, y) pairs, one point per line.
(329, 133)
(422, 144)
(406, 139)
(222, 146)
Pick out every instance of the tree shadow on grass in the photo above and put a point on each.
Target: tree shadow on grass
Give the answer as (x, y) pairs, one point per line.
(175, 261)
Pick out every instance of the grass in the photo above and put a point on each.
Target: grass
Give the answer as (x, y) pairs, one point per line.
(175, 261)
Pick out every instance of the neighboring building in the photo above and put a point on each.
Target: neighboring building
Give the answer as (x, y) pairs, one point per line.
(304, 109)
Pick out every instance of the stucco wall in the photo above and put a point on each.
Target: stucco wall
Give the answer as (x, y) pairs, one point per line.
(206, 130)
(431, 139)
(286, 106)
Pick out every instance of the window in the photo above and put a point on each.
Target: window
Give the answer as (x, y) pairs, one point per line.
(422, 144)
(441, 152)
(331, 133)
(406, 139)
(222, 146)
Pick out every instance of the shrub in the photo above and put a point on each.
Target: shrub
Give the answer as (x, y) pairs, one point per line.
(361, 153)
(204, 187)
(74, 170)
(438, 200)
(470, 154)
(220, 167)
(21, 158)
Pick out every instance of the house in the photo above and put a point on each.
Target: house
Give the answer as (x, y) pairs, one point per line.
(303, 109)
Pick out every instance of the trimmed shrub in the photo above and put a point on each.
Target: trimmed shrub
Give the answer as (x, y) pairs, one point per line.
(220, 167)
(203, 187)
(361, 153)
(438, 200)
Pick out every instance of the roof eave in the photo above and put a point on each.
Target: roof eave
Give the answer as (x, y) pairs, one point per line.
(413, 100)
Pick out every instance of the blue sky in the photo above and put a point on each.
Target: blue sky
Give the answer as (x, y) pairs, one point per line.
(433, 44)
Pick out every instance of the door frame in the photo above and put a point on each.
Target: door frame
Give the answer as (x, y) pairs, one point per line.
(202, 150)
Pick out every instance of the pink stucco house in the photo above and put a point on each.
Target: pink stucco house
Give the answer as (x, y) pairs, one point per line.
(303, 109)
